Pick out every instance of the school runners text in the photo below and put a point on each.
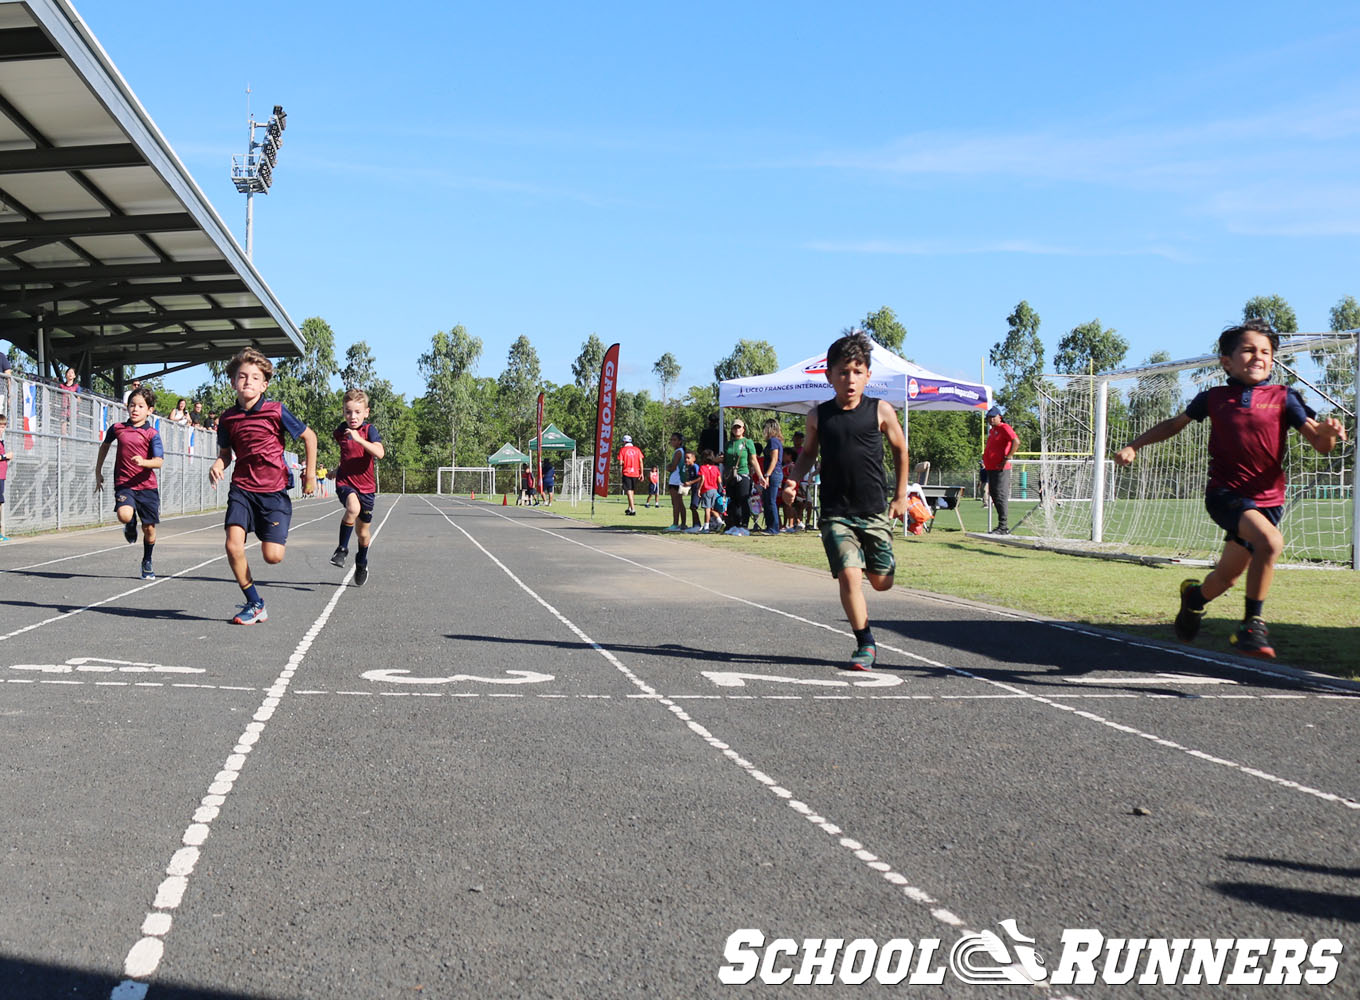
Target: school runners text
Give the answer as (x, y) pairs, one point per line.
(1087, 956)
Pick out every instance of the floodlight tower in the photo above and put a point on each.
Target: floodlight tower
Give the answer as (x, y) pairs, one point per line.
(253, 171)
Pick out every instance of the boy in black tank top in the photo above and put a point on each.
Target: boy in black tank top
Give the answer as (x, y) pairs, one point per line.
(856, 533)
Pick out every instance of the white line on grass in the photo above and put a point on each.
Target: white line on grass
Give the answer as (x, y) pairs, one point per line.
(881, 868)
(145, 956)
(1050, 702)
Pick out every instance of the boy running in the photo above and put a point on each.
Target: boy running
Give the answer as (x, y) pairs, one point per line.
(848, 433)
(355, 484)
(1249, 420)
(258, 500)
(140, 454)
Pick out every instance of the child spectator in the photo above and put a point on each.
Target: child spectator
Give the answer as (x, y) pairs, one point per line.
(674, 477)
(135, 491)
(526, 487)
(321, 473)
(710, 482)
(252, 432)
(689, 475)
(1249, 422)
(653, 488)
(5, 457)
(356, 487)
(848, 433)
(547, 480)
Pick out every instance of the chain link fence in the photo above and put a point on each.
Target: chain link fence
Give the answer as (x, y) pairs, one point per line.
(54, 436)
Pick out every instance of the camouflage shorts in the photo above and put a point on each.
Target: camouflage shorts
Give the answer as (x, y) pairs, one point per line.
(859, 543)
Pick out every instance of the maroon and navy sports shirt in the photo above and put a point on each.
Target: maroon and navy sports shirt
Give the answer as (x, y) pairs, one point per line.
(1248, 430)
(134, 440)
(256, 438)
(356, 465)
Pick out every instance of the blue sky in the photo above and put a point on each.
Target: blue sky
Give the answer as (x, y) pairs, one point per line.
(677, 178)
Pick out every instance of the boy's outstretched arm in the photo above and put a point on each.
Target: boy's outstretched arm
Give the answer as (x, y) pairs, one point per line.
(1168, 428)
(99, 463)
(1323, 434)
(897, 442)
(308, 438)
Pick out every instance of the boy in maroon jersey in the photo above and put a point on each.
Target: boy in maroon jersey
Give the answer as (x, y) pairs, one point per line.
(1249, 421)
(355, 484)
(135, 491)
(258, 500)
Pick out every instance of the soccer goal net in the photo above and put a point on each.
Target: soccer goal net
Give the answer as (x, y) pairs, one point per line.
(1155, 507)
(455, 479)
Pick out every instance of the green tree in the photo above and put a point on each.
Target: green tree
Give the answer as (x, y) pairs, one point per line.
(585, 370)
(1338, 363)
(667, 371)
(1272, 308)
(449, 384)
(1090, 346)
(519, 387)
(884, 327)
(304, 384)
(1020, 359)
(749, 357)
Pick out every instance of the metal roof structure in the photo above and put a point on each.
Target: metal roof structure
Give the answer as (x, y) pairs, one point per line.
(110, 254)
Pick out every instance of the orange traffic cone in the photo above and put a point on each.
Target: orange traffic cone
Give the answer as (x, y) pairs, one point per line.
(505, 500)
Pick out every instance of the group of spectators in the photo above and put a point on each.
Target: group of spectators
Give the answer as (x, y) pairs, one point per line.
(729, 488)
(183, 413)
(535, 490)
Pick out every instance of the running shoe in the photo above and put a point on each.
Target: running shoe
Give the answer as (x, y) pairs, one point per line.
(863, 658)
(130, 530)
(674, 527)
(147, 572)
(1253, 638)
(4, 538)
(251, 613)
(360, 574)
(338, 558)
(738, 530)
(1188, 619)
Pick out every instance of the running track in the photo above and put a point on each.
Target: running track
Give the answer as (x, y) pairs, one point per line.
(532, 758)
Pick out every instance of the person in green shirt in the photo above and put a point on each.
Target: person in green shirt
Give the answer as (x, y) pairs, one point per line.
(739, 460)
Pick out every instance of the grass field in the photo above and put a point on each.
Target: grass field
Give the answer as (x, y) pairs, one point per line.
(1314, 615)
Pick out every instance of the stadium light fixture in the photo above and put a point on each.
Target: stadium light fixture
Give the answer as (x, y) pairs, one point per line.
(253, 172)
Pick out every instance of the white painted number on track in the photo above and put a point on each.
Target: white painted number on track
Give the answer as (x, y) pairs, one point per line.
(728, 679)
(403, 677)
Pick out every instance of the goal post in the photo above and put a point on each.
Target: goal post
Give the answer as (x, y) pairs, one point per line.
(1155, 507)
(455, 479)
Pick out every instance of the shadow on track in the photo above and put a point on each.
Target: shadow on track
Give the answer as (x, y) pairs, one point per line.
(678, 651)
(28, 978)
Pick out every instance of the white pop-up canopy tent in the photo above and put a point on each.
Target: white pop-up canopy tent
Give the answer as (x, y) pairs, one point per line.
(905, 384)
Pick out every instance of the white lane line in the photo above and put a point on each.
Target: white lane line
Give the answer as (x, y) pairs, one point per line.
(136, 590)
(853, 847)
(144, 957)
(1257, 773)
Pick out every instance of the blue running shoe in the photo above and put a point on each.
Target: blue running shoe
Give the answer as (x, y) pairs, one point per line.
(863, 657)
(130, 530)
(251, 613)
(147, 572)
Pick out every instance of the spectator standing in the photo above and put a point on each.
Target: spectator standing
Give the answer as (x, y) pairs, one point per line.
(772, 472)
(653, 487)
(630, 467)
(180, 414)
(996, 466)
(708, 437)
(675, 476)
(548, 480)
(196, 416)
(739, 467)
(689, 473)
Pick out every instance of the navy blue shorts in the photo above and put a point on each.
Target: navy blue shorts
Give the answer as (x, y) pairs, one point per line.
(266, 515)
(1227, 508)
(342, 493)
(145, 503)
(2, 491)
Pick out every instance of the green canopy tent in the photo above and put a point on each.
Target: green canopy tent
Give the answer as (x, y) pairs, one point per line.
(508, 454)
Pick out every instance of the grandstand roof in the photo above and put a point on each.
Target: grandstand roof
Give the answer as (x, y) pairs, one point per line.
(106, 242)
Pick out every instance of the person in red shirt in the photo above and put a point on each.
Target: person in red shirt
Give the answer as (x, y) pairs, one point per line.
(356, 485)
(135, 491)
(630, 466)
(996, 466)
(1249, 422)
(251, 433)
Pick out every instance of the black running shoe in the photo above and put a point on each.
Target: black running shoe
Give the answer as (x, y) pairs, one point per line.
(1253, 638)
(1188, 619)
(338, 558)
(360, 574)
(130, 530)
